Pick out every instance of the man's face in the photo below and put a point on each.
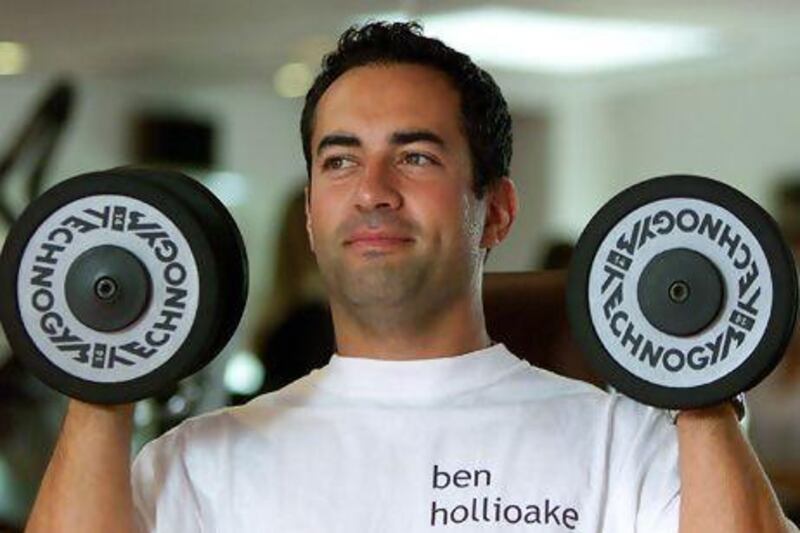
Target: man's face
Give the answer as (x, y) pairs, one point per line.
(392, 216)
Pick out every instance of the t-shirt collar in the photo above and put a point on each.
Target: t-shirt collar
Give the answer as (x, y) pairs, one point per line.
(417, 378)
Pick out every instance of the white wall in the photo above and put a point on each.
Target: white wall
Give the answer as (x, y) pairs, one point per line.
(744, 131)
(93, 138)
(742, 128)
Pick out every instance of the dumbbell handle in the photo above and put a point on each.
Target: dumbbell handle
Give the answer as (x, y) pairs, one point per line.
(88, 474)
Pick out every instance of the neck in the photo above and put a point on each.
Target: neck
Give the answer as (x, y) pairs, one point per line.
(455, 329)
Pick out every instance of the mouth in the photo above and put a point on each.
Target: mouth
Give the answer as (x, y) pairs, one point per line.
(378, 242)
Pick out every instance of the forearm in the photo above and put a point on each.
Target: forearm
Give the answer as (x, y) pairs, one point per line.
(87, 485)
(723, 487)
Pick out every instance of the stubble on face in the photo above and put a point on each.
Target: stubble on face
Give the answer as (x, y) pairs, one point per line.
(377, 281)
(385, 293)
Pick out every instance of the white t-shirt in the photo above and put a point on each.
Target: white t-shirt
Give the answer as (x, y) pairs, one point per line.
(478, 442)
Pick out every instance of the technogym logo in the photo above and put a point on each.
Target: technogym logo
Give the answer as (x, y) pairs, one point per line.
(493, 510)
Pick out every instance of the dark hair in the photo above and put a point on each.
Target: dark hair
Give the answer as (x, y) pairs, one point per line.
(484, 112)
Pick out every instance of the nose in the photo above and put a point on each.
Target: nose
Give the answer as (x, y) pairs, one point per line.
(377, 188)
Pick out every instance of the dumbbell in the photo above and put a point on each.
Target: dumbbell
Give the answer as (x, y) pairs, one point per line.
(118, 284)
(682, 292)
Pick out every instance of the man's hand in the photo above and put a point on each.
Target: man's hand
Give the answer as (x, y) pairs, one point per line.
(723, 487)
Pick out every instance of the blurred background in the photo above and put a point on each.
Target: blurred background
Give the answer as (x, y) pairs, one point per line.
(603, 94)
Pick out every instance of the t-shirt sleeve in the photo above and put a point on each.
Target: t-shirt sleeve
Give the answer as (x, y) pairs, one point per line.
(648, 477)
(164, 496)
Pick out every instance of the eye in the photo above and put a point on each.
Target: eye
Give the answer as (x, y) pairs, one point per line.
(418, 159)
(337, 163)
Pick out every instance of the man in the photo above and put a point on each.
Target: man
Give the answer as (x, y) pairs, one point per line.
(419, 422)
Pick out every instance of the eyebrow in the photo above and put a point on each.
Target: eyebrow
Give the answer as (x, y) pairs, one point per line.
(338, 139)
(412, 136)
(397, 138)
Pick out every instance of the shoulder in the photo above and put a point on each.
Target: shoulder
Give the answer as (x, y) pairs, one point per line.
(196, 437)
(623, 418)
(531, 384)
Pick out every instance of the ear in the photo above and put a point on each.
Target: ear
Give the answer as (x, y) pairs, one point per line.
(308, 218)
(501, 210)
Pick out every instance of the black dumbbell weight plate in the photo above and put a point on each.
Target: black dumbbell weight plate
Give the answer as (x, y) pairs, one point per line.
(681, 292)
(58, 339)
(229, 250)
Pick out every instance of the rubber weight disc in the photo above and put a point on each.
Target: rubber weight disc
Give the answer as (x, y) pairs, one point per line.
(229, 249)
(149, 347)
(681, 292)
